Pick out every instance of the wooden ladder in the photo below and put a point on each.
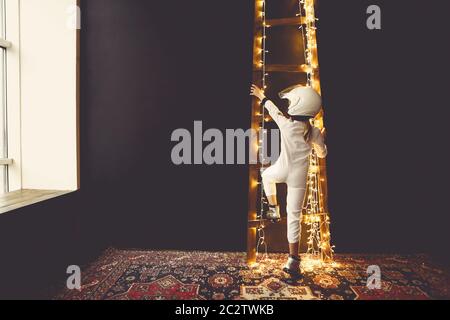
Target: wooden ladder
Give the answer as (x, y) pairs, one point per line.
(255, 221)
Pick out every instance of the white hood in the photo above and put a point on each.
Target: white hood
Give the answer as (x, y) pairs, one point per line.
(303, 101)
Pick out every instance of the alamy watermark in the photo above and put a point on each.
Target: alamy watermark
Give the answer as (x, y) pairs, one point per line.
(232, 146)
(374, 279)
(74, 280)
(374, 20)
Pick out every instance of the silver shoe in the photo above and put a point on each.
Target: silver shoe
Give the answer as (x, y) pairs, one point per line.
(292, 267)
(273, 213)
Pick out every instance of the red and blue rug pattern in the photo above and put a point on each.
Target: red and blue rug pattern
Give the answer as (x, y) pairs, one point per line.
(174, 275)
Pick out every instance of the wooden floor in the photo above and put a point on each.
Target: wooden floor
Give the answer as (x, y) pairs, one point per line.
(17, 199)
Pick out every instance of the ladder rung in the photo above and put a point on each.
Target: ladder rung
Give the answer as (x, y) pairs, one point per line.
(284, 68)
(296, 21)
(256, 223)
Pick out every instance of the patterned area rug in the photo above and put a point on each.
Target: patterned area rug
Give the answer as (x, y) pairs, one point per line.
(129, 275)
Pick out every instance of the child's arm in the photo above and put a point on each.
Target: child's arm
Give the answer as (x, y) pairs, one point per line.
(273, 110)
(318, 142)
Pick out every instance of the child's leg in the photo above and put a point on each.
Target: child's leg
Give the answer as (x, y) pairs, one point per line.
(269, 178)
(270, 189)
(295, 198)
(294, 249)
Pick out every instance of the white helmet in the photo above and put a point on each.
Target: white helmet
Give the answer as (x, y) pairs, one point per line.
(303, 101)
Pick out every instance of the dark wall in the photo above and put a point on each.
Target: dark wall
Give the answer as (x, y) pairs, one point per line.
(386, 98)
(39, 242)
(148, 68)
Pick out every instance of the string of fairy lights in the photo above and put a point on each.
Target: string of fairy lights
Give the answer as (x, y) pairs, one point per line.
(313, 211)
(262, 63)
(315, 217)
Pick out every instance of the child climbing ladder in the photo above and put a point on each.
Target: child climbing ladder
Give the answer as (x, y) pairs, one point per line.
(298, 138)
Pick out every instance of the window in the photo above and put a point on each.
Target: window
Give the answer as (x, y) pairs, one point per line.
(38, 101)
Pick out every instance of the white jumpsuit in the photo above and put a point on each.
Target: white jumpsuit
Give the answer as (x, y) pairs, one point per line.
(292, 166)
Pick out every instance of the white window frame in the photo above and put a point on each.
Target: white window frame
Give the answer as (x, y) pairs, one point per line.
(3, 109)
(11, 44)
